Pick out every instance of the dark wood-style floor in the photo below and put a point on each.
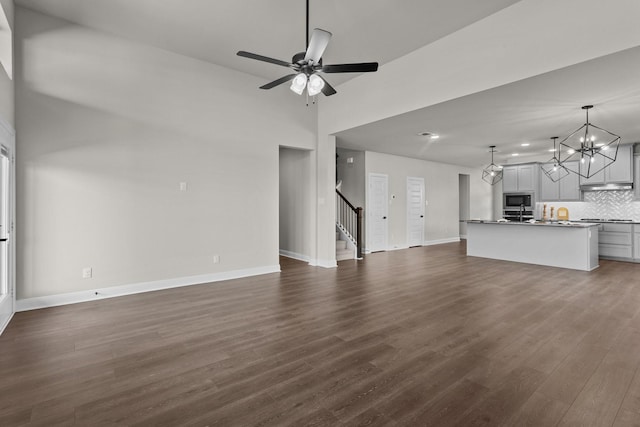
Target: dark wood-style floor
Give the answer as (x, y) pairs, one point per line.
(424, 336)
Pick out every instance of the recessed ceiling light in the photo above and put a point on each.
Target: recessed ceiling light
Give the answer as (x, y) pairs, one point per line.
(551, 150)
(525, 144)
(515, 154)
(429, 134)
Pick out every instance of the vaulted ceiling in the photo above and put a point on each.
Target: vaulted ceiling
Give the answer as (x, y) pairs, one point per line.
(527, 111)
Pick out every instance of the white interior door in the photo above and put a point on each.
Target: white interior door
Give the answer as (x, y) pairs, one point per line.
(415, 211)
(6, 283)
(377, 212)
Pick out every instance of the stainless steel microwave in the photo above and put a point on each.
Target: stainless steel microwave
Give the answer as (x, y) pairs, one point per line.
(515, 200)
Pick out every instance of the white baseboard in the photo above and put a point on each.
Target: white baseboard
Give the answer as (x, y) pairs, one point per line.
(5, 322)
(326, 263)
(136, 288)
(295, 255)
(441, 241)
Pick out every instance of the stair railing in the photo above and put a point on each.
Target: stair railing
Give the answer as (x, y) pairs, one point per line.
(349, 220)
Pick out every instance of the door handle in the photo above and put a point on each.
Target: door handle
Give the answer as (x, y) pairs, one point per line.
(384, 217)
(421, 216)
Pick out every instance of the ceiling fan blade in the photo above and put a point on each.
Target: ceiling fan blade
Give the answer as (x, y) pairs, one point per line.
(327, 89)
(278, 82)
(263, 58)
(363, 67)
(317, 45)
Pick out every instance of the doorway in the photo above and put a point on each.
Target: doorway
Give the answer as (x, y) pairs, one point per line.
(295, 209)
(377, 212)
(464, 194)
(7, 281)
(415, 211)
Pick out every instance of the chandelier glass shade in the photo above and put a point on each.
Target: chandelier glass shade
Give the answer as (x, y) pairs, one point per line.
(595, 148)
(492, 173)
(554, 169)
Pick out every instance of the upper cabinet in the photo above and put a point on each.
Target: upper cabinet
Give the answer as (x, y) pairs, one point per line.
(565, 189)
(620, 171)
(518, 178)
(636, 183)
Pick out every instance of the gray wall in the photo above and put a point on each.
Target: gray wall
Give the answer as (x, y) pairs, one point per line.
(441, 193)
(352, 175)
(108, 129)
(295, 203)
(7, 109)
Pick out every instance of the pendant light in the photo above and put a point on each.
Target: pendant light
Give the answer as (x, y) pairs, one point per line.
(554, 169)
(594, 147)
(492, 173)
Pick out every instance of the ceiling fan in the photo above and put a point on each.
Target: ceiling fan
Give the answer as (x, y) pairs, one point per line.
(307, 65)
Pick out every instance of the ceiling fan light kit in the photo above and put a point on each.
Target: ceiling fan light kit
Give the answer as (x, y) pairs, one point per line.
(554, 169)
(308, 64)
(596, 148)
(492, 173)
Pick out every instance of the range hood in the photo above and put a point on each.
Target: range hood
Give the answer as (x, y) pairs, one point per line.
(607, 187)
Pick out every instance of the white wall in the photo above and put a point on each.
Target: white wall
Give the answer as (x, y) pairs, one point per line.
(7, 109)
(107, 129)
(295, 203)
(441, 193)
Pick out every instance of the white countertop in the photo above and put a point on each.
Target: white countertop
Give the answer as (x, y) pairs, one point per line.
(538, 223)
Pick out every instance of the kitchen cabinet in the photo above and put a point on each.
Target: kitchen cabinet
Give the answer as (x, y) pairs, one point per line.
(549, 190)
(616, 240)
(636, 178)
(566, 189)
(636, 242)
(517, 178)
(620, 171)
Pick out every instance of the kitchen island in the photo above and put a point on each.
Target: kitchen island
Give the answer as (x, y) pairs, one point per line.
(571, 245)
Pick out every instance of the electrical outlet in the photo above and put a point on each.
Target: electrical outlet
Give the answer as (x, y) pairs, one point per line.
(183, 186)
(216, 259)
(87, 273)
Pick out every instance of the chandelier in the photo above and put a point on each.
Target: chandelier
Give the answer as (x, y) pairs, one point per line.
(554, 169)
(596, 148)
(492, 173)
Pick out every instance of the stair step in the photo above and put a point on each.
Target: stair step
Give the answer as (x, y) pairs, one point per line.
(341, 244)
(344, 254)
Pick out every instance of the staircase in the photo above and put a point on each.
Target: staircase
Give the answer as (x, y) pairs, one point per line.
(342, 249)
(348, 229)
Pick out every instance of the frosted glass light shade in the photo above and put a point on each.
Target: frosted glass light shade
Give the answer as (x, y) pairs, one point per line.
(315, 85)
(299, 83)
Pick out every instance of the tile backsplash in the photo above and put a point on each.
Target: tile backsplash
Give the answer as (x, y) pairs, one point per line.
(600, 204)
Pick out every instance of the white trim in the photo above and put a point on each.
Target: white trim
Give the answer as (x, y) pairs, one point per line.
(398, 248)
(440, 241)
(325, 263)
(136, 288)
(4, 325)
(8, 139)
(294, 255)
